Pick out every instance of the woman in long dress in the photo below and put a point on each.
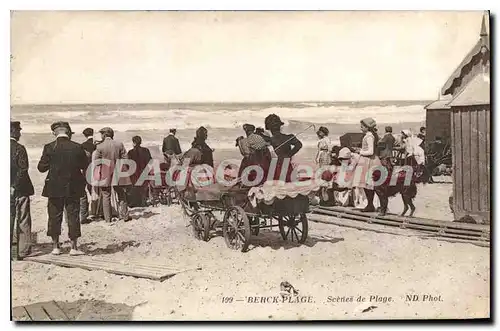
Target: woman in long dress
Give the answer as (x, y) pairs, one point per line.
(323, 157)
(368, 161)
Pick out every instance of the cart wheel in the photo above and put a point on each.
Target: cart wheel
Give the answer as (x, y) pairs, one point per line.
(294, 228)
(188, 207)
(201, 226)
(236, 228)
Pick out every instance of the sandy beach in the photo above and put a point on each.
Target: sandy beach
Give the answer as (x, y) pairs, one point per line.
(334, 262)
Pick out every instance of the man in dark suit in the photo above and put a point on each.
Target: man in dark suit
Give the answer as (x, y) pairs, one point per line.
(88, 144)
(21, 189)
(65, 162)
(387, 145)
(171, 148)
(86, 215)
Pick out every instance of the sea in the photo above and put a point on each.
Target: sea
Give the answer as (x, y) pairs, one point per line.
(223, 120)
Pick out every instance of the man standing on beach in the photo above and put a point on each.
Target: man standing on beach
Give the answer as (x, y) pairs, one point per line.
(387, 145)
(111, 151)
(65, 162)
(86, 215)
(171, 147)
(421, 135)
(21, 189)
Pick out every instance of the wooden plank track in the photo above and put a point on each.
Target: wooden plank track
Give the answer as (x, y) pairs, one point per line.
(20, 314)
(42, 311)
(467, 233)
(108, 264)
(55, 312)
(37, 313)
(392, 230)
(414, 220)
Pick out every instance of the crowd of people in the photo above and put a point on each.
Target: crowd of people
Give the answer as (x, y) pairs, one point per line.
(386, 151)
(68, 190)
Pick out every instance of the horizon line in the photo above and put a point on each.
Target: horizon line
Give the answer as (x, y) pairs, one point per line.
(216, 102)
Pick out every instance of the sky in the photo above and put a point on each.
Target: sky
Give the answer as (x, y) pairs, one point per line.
(136, 57)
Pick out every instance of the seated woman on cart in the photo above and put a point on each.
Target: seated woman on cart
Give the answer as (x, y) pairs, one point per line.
(255, 152)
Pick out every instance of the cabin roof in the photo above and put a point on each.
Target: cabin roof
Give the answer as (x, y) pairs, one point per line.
(442, 103)
(484, 40)
(477, 92)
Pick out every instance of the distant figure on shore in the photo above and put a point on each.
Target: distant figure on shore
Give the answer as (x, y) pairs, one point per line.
(171, 148)
(323, 156)
(111, 150)
(285, 146)
(387, 145)
(88, 214)
(21, 189)
(65, 162)
(421, 136)
(141, 156)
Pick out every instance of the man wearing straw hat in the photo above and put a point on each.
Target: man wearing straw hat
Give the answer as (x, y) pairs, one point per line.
(65, 162)
(21, 189)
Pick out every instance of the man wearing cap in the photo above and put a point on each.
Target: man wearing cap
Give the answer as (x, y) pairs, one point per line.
(65, 162)
(88, 145)
(171, 147)
(21, 189)
(111, 151)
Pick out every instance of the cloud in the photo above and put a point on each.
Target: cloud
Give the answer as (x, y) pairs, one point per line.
(99, 57)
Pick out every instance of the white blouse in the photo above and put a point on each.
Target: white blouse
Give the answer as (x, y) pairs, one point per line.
(368, 144)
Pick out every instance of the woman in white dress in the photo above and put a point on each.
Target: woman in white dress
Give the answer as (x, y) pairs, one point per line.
(412, 147)
(367, 161)
(323, 157)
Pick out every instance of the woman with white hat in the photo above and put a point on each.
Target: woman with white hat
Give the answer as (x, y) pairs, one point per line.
(412, 147)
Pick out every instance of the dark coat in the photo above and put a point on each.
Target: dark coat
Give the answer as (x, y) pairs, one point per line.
(65, 160)
(141, 156)
(19, 177)
(89, 146)
(207, 154)
(171, 145)
(386, 145)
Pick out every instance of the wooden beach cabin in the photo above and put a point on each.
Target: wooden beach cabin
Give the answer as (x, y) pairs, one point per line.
(438, 120)
(468, 90)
